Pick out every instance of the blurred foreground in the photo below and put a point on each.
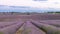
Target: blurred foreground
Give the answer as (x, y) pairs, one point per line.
(34, 23)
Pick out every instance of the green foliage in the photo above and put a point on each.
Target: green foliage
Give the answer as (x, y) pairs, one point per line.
(53, 12)
(1, 32)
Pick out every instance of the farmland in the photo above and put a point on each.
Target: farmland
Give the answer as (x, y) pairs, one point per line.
(30, 24)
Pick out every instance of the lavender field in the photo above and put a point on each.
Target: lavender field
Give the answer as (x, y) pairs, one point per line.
(30, 24)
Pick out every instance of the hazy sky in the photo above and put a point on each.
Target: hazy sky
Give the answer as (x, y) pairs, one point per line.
(32, 3)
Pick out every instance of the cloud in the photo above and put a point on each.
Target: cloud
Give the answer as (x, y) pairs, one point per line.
(43, 4)
(39, 0)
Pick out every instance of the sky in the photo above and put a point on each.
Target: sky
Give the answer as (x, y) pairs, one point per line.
(32, 3)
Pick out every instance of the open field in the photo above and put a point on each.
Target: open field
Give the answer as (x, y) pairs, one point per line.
(30, 24)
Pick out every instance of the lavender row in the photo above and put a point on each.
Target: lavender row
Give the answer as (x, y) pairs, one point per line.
(49, 29)
(5, 24)
(11, 29)
(51, 22)
(29, 28)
